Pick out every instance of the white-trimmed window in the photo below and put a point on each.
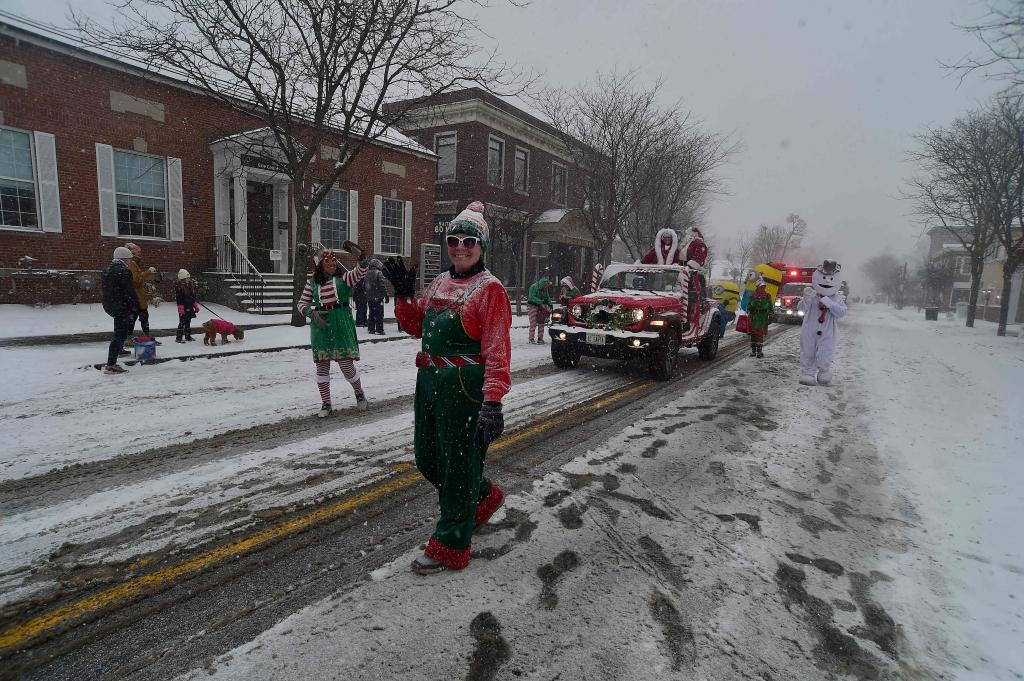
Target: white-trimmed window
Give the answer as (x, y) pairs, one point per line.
(392, 226)
(140, 182)
(963, 264)
(334, 211)
(495, 161)
(521, 179)
(17, 180)
(444, 147)
(558, 182)
(29, 191)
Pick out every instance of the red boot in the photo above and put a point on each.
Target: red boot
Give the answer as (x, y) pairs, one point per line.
(489, 504)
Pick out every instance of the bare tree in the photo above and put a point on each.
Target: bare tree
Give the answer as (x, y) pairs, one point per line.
(617, 135)
(961, 166)
(1006, 183)
(681, 178)
(795, 232)
(885, 272)
(769, 243)
(937, 276)
(1001, 32)
(312, 73)
(508, 233)
(740, 256)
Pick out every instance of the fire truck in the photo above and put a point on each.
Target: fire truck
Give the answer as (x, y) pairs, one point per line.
(791, 292)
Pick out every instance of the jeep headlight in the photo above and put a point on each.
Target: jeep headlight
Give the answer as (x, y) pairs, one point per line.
(577, 311)
(638, 315)
(778, 303)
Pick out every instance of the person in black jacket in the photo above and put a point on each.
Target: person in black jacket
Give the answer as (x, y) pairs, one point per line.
(188, 306)
(121, 303)
(375, 287)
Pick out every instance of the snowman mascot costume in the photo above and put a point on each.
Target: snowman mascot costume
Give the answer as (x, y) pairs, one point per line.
(822, 305)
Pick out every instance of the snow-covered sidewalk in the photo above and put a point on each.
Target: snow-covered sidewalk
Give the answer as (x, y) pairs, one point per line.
(751, 528)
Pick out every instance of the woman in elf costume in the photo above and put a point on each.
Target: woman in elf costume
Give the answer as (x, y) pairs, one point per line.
(464, 319)
(325, 300)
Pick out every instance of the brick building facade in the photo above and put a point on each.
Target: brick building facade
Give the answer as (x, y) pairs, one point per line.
(95, 152)
(492, 151)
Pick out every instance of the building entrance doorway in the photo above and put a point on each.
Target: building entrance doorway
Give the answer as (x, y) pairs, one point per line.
(259, 217)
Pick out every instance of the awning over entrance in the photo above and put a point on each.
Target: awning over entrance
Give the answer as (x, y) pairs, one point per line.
(564, 226)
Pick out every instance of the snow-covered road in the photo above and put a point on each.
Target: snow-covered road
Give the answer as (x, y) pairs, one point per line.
(751, 528)
(84, 490)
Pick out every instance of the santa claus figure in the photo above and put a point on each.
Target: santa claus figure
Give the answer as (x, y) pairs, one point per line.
(665, 251)
(822, 305)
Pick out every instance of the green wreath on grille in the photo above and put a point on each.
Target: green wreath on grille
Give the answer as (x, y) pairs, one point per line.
(621, 316)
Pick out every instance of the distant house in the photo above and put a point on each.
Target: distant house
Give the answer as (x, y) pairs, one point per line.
(492, 151)
(947, 249)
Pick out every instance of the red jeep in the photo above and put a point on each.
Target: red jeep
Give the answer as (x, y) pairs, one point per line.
(639, 311)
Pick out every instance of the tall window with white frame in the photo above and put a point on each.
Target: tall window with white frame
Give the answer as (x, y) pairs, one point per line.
(17, 181)
(558, 174)
(522, 171)
(392, 226)
(495, 162)
(140, 182)
(334, 218)
(444, 146)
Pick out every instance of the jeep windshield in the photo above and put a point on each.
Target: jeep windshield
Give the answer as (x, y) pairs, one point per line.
(648, 280)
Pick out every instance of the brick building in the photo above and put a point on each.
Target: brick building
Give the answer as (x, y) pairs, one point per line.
(492, 151)
(95, 152)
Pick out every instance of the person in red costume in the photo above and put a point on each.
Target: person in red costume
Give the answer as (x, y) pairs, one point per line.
(464, 319)
(665, 251)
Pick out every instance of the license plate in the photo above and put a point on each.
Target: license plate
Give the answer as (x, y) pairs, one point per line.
(595, 339)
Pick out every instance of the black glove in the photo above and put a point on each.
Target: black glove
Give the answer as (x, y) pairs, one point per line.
(402, 279)
(490, 424)
(319, 318)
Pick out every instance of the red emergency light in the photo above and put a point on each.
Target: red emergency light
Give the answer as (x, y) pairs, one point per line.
(793, 273)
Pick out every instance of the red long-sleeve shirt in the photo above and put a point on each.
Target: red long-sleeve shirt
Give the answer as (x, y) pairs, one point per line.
(486, 316)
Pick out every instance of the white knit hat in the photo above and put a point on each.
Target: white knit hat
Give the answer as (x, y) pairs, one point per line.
(183, 274)
(471, 221)
(122, 252)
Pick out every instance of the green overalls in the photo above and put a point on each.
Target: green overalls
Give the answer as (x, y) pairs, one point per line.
(448, 403)
(338, 340)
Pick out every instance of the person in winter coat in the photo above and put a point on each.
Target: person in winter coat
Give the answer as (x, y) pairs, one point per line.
(121, 303)
(568, 291)
(464, 318)
(325, 300)
(375, 286)
(538, 307)
(359, 300)
(140, 282)
(188, 306)
(665, 251)
(760, 311)
(823, 303)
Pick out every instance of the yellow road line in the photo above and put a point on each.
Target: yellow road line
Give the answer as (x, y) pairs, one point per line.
(15, 637)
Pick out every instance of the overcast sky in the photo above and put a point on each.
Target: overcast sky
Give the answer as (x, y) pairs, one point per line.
(825, 95)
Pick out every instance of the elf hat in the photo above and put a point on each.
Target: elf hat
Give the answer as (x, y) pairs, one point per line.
(471, 222)
(327, 256)
(183, 274)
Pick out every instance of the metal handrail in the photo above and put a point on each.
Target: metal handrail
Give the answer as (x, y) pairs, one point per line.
(230, 258)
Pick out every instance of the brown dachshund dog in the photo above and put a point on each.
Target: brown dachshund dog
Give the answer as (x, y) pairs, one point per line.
(215, 326)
